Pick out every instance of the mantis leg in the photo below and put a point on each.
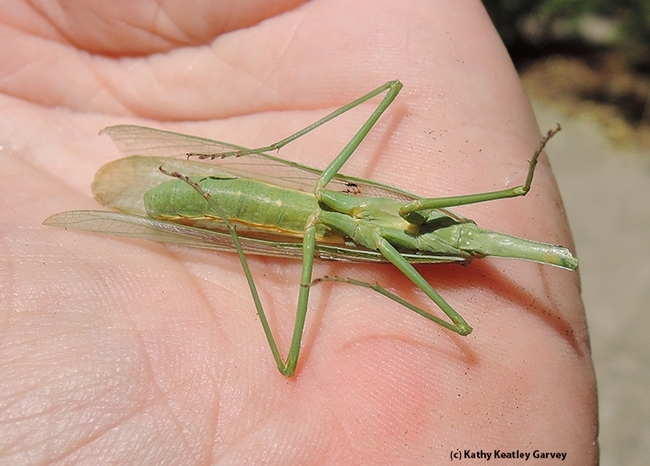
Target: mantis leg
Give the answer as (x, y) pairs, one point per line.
(287, 368)
(457, 324)
(463, 329)
(393, 88)
(389, 252)
(442, 202)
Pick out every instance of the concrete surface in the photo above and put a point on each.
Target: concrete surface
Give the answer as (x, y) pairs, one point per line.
(607, 198)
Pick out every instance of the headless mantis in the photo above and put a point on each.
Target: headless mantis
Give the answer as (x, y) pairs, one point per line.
(251, 202)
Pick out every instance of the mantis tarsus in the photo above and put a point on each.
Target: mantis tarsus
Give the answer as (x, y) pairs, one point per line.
(252, 202)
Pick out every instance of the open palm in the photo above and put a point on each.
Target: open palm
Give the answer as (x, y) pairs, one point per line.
(126, 351)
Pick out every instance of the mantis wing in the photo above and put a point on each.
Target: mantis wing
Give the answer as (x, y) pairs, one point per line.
(121, 184)
(149, 142)
(139, 227)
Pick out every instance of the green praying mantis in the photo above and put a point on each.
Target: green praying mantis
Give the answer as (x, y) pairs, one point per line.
(251, 202)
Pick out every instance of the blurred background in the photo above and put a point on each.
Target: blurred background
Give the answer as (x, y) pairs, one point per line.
(586, 64)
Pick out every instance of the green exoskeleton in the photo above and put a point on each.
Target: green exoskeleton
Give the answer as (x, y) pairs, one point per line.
(251, 202)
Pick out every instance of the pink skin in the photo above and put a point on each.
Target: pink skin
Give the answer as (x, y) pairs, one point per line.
(131, 352)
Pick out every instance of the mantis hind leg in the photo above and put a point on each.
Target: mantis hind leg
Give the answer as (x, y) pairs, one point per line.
(287, 368)
(392, 88)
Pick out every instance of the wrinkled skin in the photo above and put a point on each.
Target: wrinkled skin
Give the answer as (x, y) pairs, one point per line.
(125, 351)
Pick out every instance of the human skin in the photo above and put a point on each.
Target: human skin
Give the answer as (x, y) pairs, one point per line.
(131, 352)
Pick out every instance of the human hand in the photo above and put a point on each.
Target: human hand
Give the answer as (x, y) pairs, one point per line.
(136, 352)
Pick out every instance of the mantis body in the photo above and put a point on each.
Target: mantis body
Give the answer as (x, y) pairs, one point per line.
(248, 201)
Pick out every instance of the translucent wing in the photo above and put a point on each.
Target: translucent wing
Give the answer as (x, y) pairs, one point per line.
(121, 184)
(135, 226)
(143, 141)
